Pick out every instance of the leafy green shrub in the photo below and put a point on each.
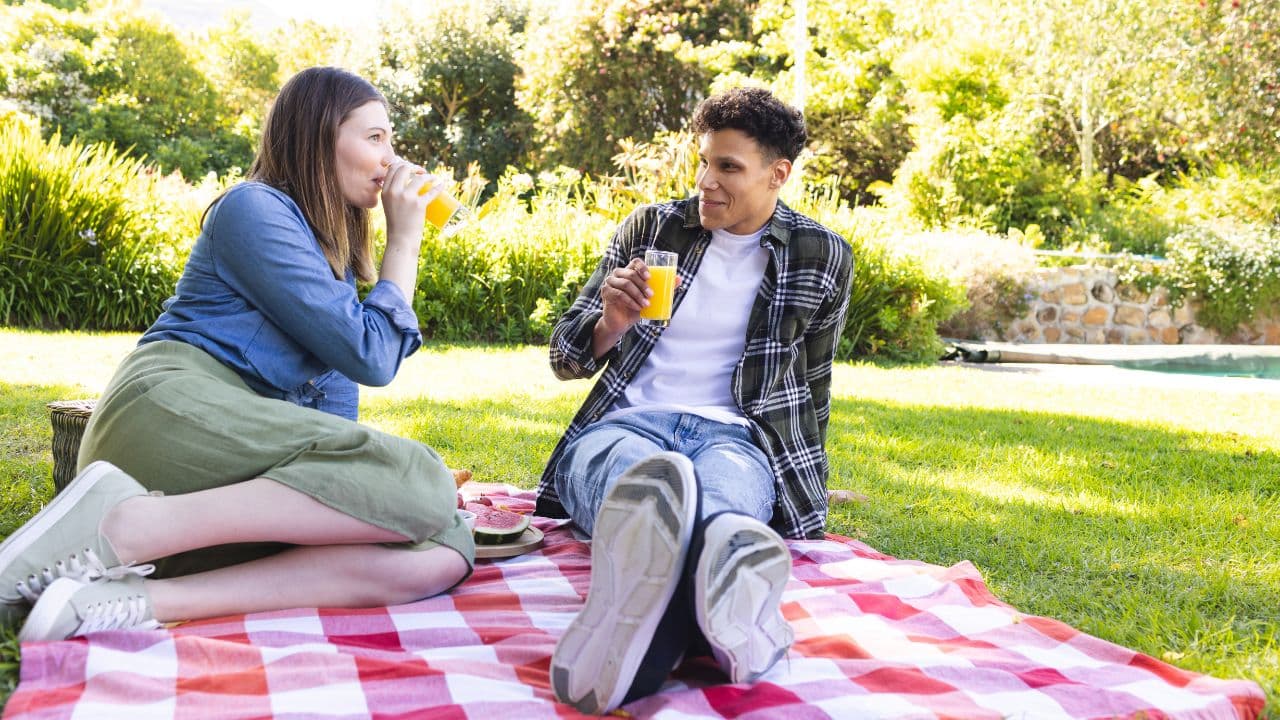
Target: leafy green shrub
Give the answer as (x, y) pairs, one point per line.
(895, 307)
(895, 303)
(1138, 216)
(509, 275)
(667, 167)
(1128, 222)
(449, 72)
(1232, 269)
(989, 173)
(993, 271)
(86, 238)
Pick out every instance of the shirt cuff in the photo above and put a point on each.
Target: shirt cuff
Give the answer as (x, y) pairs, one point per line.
(582, 344)
(387, 297)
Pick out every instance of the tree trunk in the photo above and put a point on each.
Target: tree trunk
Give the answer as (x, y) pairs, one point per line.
(1085, 134)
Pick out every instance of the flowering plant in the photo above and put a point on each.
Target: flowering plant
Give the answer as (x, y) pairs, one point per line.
(1232, 269)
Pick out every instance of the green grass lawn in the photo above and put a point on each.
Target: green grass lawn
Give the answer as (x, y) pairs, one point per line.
(1145, 515)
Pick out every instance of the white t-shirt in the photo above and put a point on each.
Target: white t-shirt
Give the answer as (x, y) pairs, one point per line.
(691, 367)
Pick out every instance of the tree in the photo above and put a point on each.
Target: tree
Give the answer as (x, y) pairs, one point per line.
(298, 45)
(117, 77)
(245, 70)
(1098, 65)
(448, 70)
(834, 60)
(1237, 72)
(47, 63)
(615, 69)
(156, 100)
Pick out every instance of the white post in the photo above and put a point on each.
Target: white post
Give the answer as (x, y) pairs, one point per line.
(800, 51)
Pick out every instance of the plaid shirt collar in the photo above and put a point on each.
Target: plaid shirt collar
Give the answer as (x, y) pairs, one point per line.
(779, 231)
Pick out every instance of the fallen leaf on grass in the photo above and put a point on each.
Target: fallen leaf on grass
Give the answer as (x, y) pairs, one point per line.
(844, 497)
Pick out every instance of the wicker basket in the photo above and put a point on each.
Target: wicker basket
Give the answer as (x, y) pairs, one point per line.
(69, 418)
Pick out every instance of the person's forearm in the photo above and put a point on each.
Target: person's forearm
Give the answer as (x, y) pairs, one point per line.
(400, 264)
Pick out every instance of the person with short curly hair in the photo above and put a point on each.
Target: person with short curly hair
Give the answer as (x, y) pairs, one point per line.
(702, 443)
(777, 127)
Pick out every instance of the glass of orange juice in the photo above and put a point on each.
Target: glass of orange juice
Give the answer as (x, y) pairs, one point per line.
(662, 281)
(445, 212)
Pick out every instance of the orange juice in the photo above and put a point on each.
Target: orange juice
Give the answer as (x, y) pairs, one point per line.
(440, 209)
(662, 281)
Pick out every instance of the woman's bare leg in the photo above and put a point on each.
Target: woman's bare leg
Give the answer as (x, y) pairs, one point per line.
(147, 527)
(328, 576)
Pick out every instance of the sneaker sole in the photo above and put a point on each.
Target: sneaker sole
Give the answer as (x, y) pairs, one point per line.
(39, 624)
(21, 540)
(738, 586)
(641, 540)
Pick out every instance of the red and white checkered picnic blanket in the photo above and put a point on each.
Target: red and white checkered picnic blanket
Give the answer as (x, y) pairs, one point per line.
(876, 637)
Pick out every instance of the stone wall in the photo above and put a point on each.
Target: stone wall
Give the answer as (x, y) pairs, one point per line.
(1085, 304)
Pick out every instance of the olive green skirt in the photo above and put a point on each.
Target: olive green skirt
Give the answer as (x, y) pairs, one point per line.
(179, 421)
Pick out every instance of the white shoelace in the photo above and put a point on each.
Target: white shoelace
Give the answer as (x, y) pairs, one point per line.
(84, 566)
(124, 613)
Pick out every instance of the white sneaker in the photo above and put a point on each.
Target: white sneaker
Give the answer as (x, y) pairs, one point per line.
(70, 608)
(638, 552)
(737, 590)
(63, 539)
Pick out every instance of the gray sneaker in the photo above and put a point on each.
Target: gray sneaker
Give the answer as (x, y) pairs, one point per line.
(737, 589)
(638, 552)
(70, 608)
(63, 539)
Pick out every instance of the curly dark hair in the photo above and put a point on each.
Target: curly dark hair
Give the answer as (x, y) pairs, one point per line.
(778, 127)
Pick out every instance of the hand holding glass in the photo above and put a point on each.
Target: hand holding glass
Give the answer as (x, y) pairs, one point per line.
(444, 211)
(662, 281)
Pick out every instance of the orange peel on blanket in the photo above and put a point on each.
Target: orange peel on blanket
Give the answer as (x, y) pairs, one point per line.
(460, 477)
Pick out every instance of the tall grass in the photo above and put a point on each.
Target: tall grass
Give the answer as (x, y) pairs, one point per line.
(84, 239)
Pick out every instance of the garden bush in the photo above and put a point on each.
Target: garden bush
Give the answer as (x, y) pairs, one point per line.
(87, 239)
(1231, 269)
(895, 303)
(508, 276)
(993, 270)
(1139, 216)
(91, 239)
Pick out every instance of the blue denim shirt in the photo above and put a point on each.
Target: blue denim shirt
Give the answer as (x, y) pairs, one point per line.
(258, 294)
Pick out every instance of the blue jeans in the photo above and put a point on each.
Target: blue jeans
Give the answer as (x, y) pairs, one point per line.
(732, 472)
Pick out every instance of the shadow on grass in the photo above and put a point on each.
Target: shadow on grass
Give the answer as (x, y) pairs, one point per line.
(1157, 540)
(1160, 541)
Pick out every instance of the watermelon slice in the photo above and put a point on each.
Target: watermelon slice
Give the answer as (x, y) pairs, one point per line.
(495, 526)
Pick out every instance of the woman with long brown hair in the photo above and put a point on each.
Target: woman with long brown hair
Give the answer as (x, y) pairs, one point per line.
(223, 471)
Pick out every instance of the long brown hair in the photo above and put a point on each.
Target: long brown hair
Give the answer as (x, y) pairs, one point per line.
(297, 155)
